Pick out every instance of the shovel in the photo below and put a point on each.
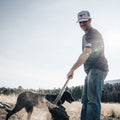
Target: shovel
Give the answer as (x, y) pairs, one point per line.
(61, 92)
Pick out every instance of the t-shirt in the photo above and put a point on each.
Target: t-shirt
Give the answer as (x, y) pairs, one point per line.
(97, 58)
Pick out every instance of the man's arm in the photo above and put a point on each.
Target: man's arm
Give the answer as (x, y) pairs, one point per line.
(81, 60)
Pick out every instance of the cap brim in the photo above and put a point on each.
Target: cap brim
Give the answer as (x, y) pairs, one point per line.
(82, 20)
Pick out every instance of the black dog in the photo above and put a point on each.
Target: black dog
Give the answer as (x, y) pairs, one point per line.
(59, 113)
(28, 100)
(65, 97)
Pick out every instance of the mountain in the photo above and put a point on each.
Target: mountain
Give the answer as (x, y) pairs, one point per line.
(112, 81)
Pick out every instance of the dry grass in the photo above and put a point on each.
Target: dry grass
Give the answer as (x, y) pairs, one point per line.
(73, 109)
(109, 109)
(8, 98)
(39, 112)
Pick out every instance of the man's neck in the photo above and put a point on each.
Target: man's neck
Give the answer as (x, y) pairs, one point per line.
(87, 30)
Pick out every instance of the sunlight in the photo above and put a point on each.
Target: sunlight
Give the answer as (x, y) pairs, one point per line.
(112, 40)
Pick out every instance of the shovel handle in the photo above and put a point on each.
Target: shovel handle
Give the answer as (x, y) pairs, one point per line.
(61, 92)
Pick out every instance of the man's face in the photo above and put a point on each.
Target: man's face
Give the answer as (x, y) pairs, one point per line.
(85, 25)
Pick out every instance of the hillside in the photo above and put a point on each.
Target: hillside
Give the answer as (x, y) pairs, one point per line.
(112, 81)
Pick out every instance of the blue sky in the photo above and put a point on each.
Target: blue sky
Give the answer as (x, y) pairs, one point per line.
(40, 40)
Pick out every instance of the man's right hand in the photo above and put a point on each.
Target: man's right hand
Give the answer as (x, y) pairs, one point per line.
(70, 74)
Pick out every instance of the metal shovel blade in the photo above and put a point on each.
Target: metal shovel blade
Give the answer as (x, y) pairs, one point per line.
(61, 93)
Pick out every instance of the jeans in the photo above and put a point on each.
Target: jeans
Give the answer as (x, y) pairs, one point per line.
(92, 92)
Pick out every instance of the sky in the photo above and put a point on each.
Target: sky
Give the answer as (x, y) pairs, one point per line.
(40, 40)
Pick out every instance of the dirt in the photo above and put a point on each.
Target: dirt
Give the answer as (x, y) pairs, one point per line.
(73, 111)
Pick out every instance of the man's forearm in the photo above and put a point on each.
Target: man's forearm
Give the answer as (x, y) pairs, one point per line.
(81, 60)
(78, 63)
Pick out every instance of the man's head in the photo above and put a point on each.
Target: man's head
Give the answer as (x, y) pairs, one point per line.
(84, 20)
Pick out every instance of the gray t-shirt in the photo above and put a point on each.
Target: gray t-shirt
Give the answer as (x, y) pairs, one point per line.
(97, 58)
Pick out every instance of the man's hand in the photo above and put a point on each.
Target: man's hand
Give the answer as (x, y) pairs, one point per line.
(81, 60)
(70, 75)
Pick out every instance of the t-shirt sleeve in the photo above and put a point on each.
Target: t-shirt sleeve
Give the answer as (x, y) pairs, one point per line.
(88, 45)
(96, 42)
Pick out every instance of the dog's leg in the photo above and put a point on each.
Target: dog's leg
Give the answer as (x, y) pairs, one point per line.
(29, 115)
(15, 110)
(29, 110)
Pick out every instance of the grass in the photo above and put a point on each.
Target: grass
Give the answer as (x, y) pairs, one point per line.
(108, 109)
(8, 98)
(111, 109)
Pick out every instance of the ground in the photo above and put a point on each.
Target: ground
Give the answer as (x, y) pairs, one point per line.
(72, 109)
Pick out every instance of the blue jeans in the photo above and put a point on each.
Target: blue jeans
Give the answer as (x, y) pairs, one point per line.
(92, 92)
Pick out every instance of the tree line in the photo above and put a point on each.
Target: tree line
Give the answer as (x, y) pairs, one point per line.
(110, 93)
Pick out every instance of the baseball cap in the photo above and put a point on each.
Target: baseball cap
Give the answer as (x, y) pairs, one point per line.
(83, 16)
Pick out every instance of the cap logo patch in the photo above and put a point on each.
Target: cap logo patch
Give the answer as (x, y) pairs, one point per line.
(81, 15)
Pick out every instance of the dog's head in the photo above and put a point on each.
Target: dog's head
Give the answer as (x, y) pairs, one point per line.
(67, 97)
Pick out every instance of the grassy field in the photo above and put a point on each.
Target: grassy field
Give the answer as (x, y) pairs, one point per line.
(73, 109)
(111, 109)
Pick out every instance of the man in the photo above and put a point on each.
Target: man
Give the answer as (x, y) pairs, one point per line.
(95, 65)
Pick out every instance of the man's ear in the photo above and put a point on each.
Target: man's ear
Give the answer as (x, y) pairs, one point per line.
(90, 19)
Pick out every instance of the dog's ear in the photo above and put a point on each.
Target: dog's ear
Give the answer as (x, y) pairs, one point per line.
(59, 102)
(67, 96)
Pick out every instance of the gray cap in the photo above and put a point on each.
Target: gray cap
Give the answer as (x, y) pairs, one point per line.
(83, 16)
